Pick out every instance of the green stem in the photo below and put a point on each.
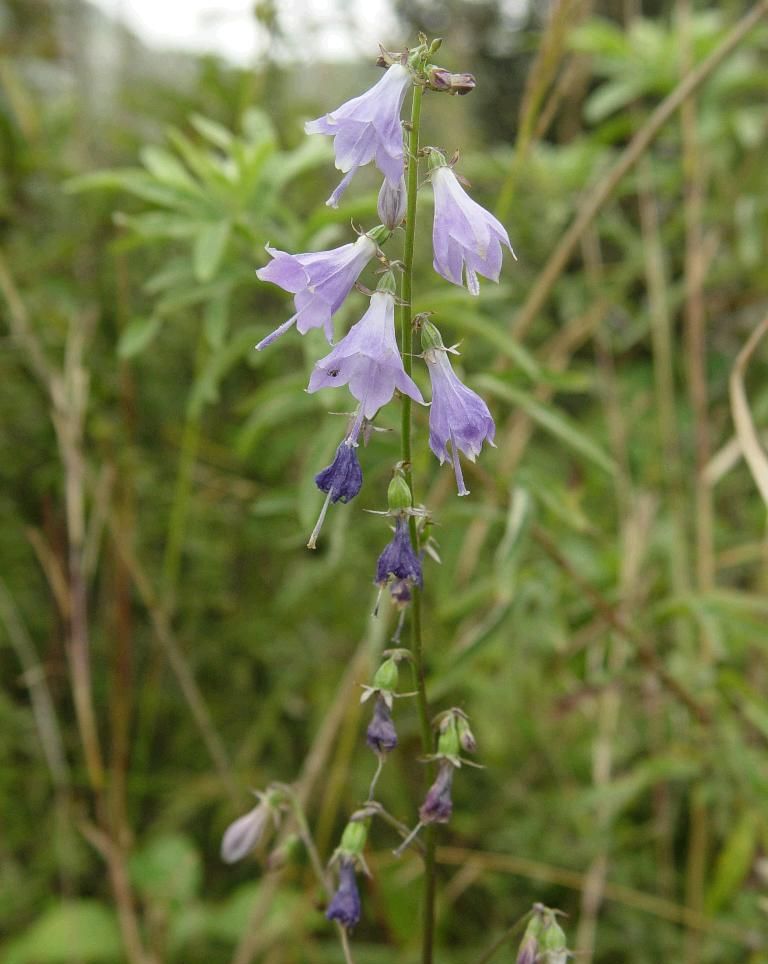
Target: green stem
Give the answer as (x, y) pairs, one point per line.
(406, 333)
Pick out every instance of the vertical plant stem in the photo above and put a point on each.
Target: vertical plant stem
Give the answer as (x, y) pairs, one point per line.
(406, 335)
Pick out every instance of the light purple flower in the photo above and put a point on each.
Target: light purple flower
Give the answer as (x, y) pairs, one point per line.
(368, 360)
(367, 128)
(392, 203)
(319, 282)
(466, 238)
(457, 414)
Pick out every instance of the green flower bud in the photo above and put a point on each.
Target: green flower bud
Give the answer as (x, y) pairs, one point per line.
(380, 234)
(387, 676)
(466, 736)
(430, 336)
(553, 937)
(387, 283)
(448, 739)
(436, 159)
(354, 837)
(398, 494)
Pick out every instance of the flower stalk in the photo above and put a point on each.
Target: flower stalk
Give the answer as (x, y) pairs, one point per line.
(406, 340)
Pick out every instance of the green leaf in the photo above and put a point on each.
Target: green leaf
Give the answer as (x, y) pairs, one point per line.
(215, 133)
(168, 869)
(74, 930)
(557, 424)
(137, 334)
(216, 319)
(733, 862)
(209, 248)
(165, 167)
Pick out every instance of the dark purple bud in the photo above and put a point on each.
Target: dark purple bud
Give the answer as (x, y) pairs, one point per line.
(345, 903)
(343, 478)
(381, 736)
(398, 560)
(443, 80)
(437, 806)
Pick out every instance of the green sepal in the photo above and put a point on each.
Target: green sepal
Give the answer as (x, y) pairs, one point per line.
(380, 234)
(387, 676)
(354, 837)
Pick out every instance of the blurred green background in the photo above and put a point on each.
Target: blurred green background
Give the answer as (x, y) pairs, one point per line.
(600, 611)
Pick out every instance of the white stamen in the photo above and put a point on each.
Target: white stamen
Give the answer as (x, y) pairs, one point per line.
(463, 490)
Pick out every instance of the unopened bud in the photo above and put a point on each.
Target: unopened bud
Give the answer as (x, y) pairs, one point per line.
(387, 283)
(398, 494)
(387, 675)
(440, 79)
(354, 837)
(448, 737)
(529, 950)
(466, 736)
(243, 834)
(380, 234)
(430, 336)
(554, 949)
(393, 200)
(436, 159)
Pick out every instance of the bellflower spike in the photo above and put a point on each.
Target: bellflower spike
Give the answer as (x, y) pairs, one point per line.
(438, 806)
(399, 563)
(466, 238)
(367, 358)
(457, 414)
(381, 736)
(345, 903)
(319, 282)
(368, 128)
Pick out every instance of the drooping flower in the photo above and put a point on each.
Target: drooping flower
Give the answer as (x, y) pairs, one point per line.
(457, 414)
(367, 358)
(243, 834)
(342, 479)
(438, 806)
(466, 239)
(319, 282)
(398, 565)
(345, 903)
(392, 203)
(381, 735)
(367, 128)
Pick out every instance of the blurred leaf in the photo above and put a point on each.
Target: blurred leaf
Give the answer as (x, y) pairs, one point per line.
(74, 930)
(733, 862)
(209, 249)
(550, 420)
(137, 335)
(167, 869)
